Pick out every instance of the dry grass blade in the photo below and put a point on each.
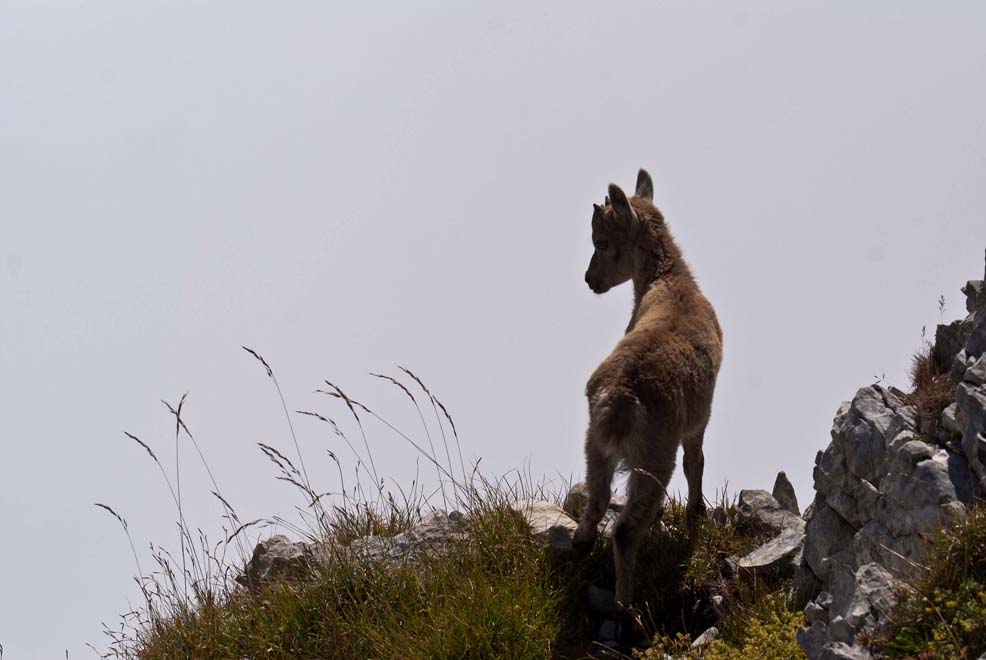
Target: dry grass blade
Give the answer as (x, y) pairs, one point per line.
(321, 417)
(418, 447)
(287, 415)
(932, 388)
(267, 449)
(447, 416)
(424, 425)
(351, 404)
(179, 422)
(126, 530)
(142, 444)
(335, 428)
(455, 433)
(229, 507)
(313, 497)
(114, 514)
(339, 394)
(183, 531)
(396, 382)
(270, 372)
(415, 379)
(243, 527)
(441, 427)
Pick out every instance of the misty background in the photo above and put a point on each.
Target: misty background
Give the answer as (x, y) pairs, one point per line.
(345, 187)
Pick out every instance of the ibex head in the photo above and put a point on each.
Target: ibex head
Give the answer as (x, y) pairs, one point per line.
(615, 228)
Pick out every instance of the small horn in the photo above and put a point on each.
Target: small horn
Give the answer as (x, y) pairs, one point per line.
(645, 186)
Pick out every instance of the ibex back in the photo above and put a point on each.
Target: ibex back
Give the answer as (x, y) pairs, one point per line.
(654, 391)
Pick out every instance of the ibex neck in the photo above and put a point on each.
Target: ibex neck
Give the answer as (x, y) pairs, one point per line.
(657, 260)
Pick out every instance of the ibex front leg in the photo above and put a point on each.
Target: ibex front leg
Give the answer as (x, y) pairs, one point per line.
(694, 467)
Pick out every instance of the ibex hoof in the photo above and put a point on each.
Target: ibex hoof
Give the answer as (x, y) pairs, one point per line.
(583, 544)
(696, 512)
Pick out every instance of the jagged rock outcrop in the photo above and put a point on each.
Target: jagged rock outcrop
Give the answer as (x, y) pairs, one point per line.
(883, 484)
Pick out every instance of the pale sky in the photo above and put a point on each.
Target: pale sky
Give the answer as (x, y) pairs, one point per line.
(350, 186)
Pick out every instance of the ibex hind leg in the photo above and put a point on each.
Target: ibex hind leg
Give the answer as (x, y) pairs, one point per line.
(645, 500)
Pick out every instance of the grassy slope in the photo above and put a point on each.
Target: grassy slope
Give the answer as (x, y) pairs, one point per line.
(499, 594)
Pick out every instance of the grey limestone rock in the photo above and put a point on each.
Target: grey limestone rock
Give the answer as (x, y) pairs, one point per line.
(975, 346)
(880, 487)
(813, 639)
(975, 296)
(430, 535)
(705, 638)
(760, 507)
(826, 534)
(783, 492)
(843, 651)
(975, 373)
(578, 497)
(815, 612)
(781, 555)
(277, 558)
(970, 417)
(839, 630)
(861, 600)
(548, 522)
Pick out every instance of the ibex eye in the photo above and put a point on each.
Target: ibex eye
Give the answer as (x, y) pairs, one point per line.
(602, 245)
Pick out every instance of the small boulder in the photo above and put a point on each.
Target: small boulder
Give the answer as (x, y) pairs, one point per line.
(706, 638)
(759, 506)
(277, 557)
(783, 553)
(548, 522)
(431, 534)
(976, 373)
(815, 612)
(975, 296)
(842, 651)
(813, 639)
(578, 497)
(779, 556)
(784, 494)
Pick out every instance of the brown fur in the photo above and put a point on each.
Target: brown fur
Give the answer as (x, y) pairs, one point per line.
(654, 391)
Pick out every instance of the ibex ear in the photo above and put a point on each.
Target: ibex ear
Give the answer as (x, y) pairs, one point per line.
(619, 201)
(645, 187)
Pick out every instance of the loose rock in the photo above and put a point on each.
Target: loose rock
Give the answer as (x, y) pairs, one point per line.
(784, 493)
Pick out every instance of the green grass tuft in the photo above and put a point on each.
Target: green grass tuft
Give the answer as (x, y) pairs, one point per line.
(944, 617)
(762, 628)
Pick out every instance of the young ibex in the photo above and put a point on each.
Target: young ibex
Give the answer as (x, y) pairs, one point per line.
(654, 391)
